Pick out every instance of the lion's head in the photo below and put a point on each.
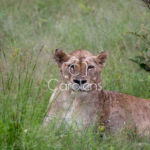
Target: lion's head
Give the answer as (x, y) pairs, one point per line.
(80, 69)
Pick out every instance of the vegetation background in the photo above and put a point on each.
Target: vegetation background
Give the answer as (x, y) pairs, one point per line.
(30, 31)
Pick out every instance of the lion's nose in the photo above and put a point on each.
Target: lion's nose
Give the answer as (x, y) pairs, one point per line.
(80, 81)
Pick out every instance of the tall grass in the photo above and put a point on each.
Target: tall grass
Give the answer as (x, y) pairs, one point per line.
(29, 33)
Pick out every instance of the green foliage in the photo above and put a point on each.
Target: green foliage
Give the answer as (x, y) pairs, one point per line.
(143, 60)
(26, 66)
(147, 2)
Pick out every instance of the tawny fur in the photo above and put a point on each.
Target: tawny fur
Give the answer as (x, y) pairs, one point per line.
(112, 109)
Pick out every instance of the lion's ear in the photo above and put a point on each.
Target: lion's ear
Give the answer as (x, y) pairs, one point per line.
(101, 58)
(60, 57)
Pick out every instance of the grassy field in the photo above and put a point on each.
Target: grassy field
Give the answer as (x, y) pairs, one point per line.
(30, 31)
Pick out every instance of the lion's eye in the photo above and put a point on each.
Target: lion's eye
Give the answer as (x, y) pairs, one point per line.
(71, 66)
(90, 67)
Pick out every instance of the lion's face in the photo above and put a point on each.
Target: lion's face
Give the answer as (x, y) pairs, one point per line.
(81, 70)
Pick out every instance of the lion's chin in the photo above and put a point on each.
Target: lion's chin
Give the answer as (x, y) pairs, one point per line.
(79, 90)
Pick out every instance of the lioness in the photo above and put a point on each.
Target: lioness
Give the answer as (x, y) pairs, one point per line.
(79, 95)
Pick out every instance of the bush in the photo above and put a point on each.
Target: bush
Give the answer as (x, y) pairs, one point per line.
(143, 60)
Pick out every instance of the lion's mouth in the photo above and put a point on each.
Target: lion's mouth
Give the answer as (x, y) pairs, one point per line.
(81, 87)
(79, 90)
